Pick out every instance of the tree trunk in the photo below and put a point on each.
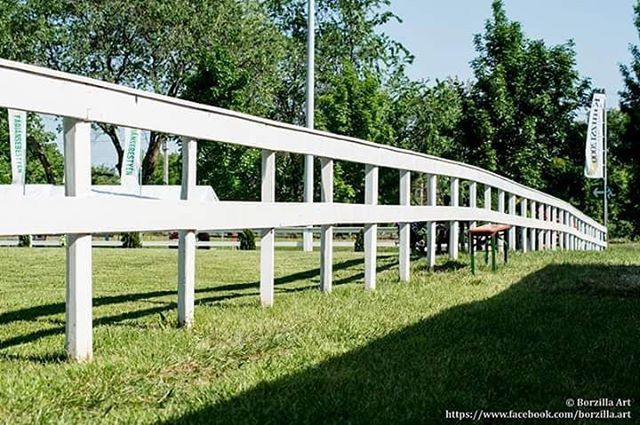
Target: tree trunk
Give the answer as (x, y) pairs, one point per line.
(38, 152)
(110, 130)
(151, 157)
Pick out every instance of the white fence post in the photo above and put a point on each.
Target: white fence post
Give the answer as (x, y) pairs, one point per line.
(405, 228)
(187, 238)
(523, 230)
(566, 235)
(501, 206)
(370, 230)
(326, 232)
(532, 231)
(561, 220)
(267, 241)
(541, 232)
(512, 231)
(77, 167)
(547, 237)
(473, 200)
(432, 201)
(554, 234)
(487, 198)
(307, 233)
(454, 228)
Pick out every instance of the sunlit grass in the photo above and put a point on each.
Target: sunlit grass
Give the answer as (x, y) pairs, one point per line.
(516, 324)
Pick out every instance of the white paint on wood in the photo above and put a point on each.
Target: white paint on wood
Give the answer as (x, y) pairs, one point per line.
(541, 217)
(187, 238)
(547, 233)
(78, 318)
(487, 198)
(267, 241)
(512, 231)
(523, 230)
(454, 226)
(501, 198)
(370, 230)
(432, 201)
(405, 228)
(473, 200)
(57, 93)
(307, 234)
(326, 231)
(532, 230)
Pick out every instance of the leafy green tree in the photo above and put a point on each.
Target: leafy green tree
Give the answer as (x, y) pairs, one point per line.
(526, 98)
(628, 147)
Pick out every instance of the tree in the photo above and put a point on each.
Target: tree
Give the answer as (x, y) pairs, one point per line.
(152, 45)
(526, 97)
(628, 147)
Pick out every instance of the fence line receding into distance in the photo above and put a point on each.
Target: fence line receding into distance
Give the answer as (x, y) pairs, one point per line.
(542, 221)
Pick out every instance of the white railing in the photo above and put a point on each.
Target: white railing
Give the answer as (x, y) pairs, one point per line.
(545, 221)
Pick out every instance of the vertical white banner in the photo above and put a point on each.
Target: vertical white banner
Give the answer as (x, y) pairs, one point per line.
(18, 142)
(129, 177)
(594, 150)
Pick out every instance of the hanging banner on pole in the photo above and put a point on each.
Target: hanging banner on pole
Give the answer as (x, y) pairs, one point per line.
(594, 150)
(18, 145)
(129, 177)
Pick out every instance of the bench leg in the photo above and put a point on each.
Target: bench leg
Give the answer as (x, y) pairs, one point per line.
(493, 253)
(486, 250)
(472, 253)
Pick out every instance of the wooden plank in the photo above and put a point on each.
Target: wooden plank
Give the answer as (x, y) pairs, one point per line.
(57, 93)
(87, 215)
(267, 241)
(187, 238)
(405, 228)
(326, 231)
(524, 231)
(307, 234)
(432, 202)
(78, 317)
(454, 226)
(370, 230)
(512, 231)
(473, 200)
(532, 230)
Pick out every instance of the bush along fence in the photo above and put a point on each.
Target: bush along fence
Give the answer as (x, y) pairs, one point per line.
(541, 221)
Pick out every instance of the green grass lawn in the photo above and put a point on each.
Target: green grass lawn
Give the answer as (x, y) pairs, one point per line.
(549, 326)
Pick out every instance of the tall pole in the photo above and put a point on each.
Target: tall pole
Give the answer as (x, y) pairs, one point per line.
(606, 203)
(307, 235)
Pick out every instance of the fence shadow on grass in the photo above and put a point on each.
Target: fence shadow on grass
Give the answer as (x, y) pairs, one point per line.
(213, 293)
(566, 331)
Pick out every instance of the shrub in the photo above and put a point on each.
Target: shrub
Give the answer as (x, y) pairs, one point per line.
(247, 240)
(358, 246)
(131, 240)
(24, 241)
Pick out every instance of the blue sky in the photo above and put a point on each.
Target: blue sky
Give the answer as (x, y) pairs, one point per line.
(440, 34)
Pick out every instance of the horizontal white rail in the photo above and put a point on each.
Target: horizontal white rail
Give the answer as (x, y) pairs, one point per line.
(544, 222)
(56, 93)
(78, 215)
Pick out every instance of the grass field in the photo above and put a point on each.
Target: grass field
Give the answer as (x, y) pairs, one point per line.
(549, 326)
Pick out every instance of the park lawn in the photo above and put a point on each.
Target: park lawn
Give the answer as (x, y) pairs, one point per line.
(547, 327)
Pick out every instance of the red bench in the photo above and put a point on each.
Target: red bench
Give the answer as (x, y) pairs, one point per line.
(488, 233)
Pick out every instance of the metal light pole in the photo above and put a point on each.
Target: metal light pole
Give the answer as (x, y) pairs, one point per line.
(307, 235)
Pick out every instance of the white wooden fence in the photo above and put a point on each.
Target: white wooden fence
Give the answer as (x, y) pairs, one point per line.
(546, 222)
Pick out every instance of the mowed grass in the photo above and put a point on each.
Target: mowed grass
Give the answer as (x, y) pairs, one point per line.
(547, 327)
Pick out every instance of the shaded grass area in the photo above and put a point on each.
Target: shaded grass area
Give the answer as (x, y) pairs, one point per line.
(547, 327)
